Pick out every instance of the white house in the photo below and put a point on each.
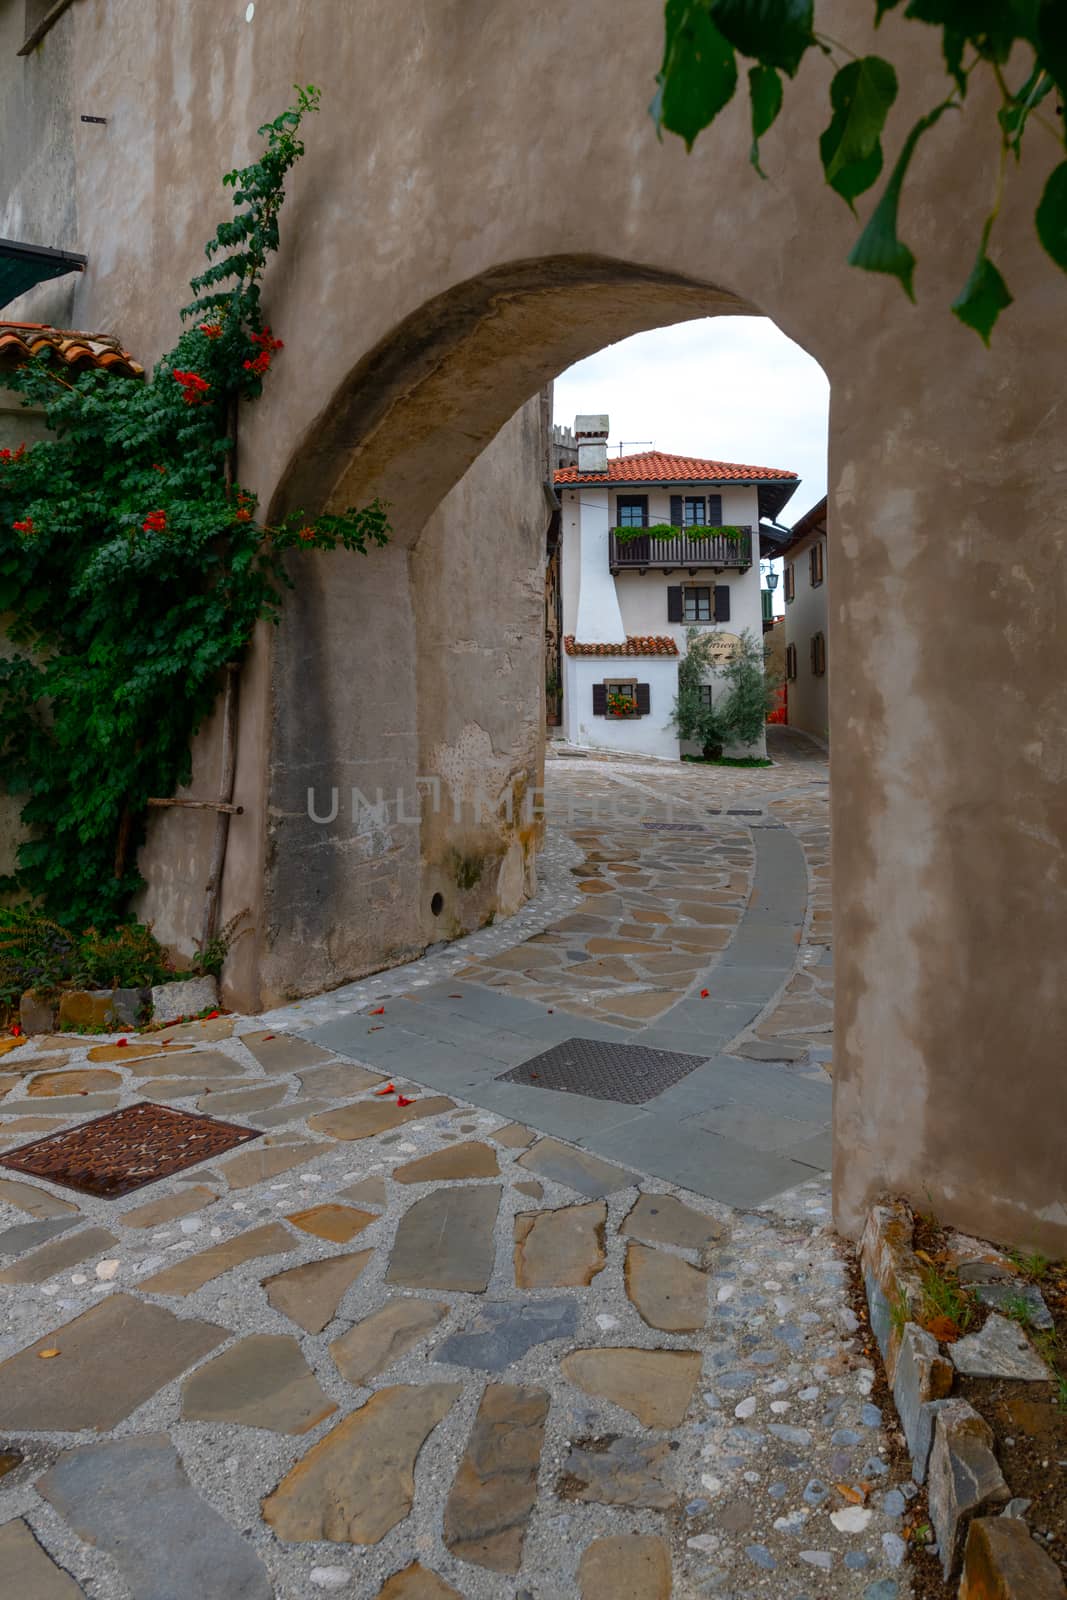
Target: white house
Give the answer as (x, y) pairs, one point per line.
(652, 544)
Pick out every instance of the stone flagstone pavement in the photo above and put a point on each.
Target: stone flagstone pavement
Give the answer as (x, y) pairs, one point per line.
(419, 1351)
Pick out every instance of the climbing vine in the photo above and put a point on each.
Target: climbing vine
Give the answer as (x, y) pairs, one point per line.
(135, 567)
(1020, 46)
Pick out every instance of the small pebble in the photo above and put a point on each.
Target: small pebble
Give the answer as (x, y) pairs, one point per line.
(818, 1558)
(761, 1556)
(894, 1503)
(746, 1408)
(695, 1507)
(606, 1323)
(330, 1577)
(106, 1270)
(870, 1416)
(852, 1519)
(856, 1560)
(894, 1548)
(190, 1224)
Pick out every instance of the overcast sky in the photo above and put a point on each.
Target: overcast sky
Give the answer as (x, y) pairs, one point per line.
(730, 388)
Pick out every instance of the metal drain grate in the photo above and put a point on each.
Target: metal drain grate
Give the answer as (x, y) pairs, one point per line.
(629, 1074)
(122, 1151)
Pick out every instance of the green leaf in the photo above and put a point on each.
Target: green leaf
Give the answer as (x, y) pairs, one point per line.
(1013, 117)
(985, 295)
(1052, 216)
(1051, 31)
(765, 93)
(883, 7)
(878, 249)
(699, 72)
(851, 147)
(774, 32)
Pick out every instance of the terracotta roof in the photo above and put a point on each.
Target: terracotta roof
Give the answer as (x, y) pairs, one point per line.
(635, 645)
(80, 351)
(653, 466)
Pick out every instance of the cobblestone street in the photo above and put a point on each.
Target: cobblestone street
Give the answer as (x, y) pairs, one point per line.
(434, 1334)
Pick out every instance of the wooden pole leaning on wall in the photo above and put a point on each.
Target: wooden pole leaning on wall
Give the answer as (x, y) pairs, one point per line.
(224, 806)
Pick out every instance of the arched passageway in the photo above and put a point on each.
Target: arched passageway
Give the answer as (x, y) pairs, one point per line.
(431, 278)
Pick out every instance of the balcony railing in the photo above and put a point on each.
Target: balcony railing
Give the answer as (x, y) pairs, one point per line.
(714, 550)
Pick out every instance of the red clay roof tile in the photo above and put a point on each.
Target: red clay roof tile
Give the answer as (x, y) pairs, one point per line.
(19, 341)
(653, 466)
(635, 645)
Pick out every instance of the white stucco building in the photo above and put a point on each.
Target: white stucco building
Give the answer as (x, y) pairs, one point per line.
(630, 595)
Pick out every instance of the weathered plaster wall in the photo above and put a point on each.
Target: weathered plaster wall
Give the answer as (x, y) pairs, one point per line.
(808, 613)
(438, 266)
(478, 584)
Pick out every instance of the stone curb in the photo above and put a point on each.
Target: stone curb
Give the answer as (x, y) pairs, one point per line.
(946, 1437)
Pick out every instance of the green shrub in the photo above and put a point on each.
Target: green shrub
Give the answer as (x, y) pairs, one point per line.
(127, 957)
(34, 954)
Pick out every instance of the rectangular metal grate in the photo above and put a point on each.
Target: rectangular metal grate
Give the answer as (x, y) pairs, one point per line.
(112, 1155)
(629, 1074)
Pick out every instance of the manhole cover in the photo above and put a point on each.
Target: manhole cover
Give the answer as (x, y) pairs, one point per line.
(122, 1151)
(627, 1073)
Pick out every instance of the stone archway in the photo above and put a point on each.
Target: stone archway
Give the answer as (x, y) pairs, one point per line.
(531, 147)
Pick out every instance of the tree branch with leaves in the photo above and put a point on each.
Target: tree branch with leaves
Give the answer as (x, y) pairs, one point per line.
(700, 74)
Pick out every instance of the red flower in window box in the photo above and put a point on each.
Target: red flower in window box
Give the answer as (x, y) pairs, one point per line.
(621, 705)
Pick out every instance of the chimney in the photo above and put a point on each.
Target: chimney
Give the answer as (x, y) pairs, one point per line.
(592, 436)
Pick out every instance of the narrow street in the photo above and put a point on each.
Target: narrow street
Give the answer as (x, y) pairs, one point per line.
(436, 1334)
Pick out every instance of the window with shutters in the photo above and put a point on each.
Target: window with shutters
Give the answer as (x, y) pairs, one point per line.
(815, 560)
(693, 511)
(790, 583)
(818, 654)
(631, 511)
(621, 697)
(704, 695)
(696, 603)
(791, 662)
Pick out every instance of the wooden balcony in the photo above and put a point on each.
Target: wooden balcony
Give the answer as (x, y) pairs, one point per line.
(668, 555)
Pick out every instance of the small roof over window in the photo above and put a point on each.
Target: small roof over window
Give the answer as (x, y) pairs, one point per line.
(22, 266)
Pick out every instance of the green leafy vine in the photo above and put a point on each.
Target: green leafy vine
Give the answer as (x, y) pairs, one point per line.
(699, 76)
(135, 568)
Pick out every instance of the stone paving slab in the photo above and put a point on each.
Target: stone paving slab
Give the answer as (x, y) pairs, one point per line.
(561, 1163)
(359, 1481)
(29, 1571)
(70, 1251)
(132, 1499)
(260, 1382)
(110, 1360)
(445, 1240)
(310, 1294)
(189, 1275)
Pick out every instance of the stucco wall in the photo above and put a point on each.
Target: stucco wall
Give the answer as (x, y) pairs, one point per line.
(452, 240)
(650, 735)
(806, 614)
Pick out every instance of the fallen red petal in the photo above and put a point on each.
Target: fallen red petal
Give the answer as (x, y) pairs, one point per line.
(380, 1012)
(704, 993)
(121, 1042)
(390, 1088)
(400, 1100)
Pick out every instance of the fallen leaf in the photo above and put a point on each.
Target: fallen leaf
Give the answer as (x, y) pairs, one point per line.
(378, 1012)
(924, 1257)
(120, 1044)
(402, 1101)
(390, 1088)
(704, 993)
(855, 1497)
(266, 1037)
(455, 997)
(46, 1355)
